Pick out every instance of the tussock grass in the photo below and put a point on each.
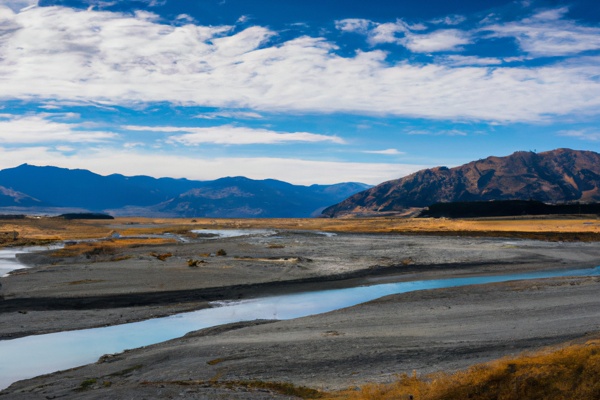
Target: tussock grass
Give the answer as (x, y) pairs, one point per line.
(86, 385)
(585, 228)
(30, 230)
(106, 247)
(572, 372)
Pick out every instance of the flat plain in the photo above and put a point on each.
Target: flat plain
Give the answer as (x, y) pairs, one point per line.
(136, 269)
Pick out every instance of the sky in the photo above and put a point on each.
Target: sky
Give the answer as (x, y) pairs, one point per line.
(304, 91)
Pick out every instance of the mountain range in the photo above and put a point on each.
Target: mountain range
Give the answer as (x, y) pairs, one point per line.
(556, 176)
(34, 189)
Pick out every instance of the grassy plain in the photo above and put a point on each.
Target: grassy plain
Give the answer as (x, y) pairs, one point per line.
(32, 230)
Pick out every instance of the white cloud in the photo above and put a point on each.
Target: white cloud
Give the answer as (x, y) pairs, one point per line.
(21, 129)
(233, 135)
(583, 134)
(457, 60)
(355, 25)
(65, 149)
(450, 20)
(243, 19)
(403, 34)
(66, 55)
(547, 34)
(185, 18)
(387, 152)
(440, 40)
(303, 172)
(549, 15)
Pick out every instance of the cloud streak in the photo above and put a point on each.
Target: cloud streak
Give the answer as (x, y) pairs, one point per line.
(31, 129)
(233, 135)
(546, 34)
(582, 134)
(387, 152)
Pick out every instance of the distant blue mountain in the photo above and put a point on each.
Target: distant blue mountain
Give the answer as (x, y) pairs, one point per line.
(235, 197)
(240, 197)
(81, 188)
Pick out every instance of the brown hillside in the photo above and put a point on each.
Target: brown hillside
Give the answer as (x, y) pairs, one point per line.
(554, 176)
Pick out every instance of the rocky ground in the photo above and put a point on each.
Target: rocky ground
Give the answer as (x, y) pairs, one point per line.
(423, 331)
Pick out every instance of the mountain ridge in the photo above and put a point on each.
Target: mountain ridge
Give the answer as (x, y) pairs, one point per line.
(560, 175)
(39, 188)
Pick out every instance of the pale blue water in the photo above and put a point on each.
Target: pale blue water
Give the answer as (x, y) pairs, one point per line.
(8, 261)
(229, 233)
(35, 355)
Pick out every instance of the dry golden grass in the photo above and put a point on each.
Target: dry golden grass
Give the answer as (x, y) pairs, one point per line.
(31, 230)
(572, 372)
(106, 247)
(373, 225)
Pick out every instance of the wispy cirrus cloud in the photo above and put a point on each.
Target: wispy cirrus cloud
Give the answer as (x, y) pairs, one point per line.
(547, 33)
(234, 135)
(454, 19)
(582, 134)
(457, 60)
(46, 128)
(386, 152)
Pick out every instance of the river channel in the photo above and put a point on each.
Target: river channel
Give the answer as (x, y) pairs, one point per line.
(40, 354)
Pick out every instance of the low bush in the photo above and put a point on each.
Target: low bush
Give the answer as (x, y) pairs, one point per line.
(572, 372)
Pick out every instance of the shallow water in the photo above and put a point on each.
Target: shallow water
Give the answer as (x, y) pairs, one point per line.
(229, 233)
(35, 355)
(8, 260)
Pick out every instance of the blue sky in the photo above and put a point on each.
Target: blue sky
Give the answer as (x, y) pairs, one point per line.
(303, 91)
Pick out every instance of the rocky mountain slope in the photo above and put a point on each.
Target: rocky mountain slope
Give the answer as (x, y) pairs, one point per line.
(30, 189)
(560, 175)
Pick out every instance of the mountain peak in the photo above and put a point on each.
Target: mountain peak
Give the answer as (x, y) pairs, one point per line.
(560, 175)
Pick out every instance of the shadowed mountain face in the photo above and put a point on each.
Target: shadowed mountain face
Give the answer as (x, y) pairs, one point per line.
(241, 197)
(555, 176)
(81, 188)
(11, 198)
(146, 196)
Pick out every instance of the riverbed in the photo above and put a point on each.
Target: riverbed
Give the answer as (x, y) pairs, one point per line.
(373, 340)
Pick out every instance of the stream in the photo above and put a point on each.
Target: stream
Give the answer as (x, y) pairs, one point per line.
(31, 356)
